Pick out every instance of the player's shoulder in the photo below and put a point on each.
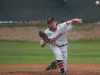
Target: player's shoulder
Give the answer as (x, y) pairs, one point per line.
(61, 24)
(47, 31)
(64, 23)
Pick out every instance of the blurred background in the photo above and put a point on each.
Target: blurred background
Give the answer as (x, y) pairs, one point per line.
(21, 10)
(36, 12)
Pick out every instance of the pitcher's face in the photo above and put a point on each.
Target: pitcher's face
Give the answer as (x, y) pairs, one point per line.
(53, 25)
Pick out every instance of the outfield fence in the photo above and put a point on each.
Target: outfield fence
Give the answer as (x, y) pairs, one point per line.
(18, 10)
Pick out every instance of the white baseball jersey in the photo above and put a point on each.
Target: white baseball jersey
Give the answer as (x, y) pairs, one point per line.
(59, 36)
(57, 39)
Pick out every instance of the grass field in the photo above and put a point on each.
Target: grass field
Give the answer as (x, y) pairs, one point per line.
(79, 51)
(77, 27)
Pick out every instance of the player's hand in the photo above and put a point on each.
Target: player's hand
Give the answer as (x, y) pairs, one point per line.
(76, 20)
(79, 21)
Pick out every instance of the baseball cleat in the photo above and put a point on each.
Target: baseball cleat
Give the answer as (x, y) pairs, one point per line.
(64, 74)
(53, 65)
(48, 68)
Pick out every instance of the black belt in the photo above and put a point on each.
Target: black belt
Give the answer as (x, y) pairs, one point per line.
(62, 45)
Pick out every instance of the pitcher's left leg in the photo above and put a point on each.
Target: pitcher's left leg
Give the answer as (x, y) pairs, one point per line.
(64, 54)
(65, 61)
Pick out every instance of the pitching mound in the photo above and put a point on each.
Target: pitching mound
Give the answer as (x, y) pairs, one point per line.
(73, 69)
(50, 73)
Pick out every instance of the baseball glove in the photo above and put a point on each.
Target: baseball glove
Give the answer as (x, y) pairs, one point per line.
(44, 36)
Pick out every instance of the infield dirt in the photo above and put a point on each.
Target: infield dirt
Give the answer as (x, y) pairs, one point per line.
(31, 34)
(73, 69)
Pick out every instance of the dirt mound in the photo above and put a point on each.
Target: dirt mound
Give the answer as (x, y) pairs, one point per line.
(73, 69)
(50, 73)
(31, 34)
(91, 34)
(20, 33)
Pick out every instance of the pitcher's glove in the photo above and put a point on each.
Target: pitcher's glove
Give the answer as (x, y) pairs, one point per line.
(44, 36)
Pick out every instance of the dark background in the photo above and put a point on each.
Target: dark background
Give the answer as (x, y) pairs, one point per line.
(17, 10)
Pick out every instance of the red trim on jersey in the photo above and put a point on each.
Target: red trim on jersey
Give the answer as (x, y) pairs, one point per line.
(55, 38)
(67, 23)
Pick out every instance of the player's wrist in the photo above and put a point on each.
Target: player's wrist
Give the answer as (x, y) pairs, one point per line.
(76, 20)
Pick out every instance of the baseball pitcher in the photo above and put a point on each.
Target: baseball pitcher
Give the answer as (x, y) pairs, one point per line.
(55, 34)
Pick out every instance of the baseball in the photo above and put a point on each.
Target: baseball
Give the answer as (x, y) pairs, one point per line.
(97, 2)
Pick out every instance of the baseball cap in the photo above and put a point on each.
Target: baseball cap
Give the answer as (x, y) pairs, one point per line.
(49, 20)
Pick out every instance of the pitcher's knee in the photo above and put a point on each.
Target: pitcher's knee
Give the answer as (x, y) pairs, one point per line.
(59, 56)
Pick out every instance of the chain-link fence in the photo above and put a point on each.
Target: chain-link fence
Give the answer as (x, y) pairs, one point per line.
(17, 10)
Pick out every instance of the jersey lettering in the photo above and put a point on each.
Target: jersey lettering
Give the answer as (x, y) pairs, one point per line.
(55, 38)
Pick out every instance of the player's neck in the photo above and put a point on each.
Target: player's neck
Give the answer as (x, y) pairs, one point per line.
(53, 29)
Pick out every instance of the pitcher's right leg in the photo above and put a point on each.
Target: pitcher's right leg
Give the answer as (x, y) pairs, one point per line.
(61, 67)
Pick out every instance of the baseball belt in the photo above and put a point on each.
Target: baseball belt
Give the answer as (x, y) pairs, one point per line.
(62, 45)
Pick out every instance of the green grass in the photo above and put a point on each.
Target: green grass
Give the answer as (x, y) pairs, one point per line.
(85, 26)
(84, 51)
(78, 27)
(23, 52)
(79, 51)
(38, 25)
